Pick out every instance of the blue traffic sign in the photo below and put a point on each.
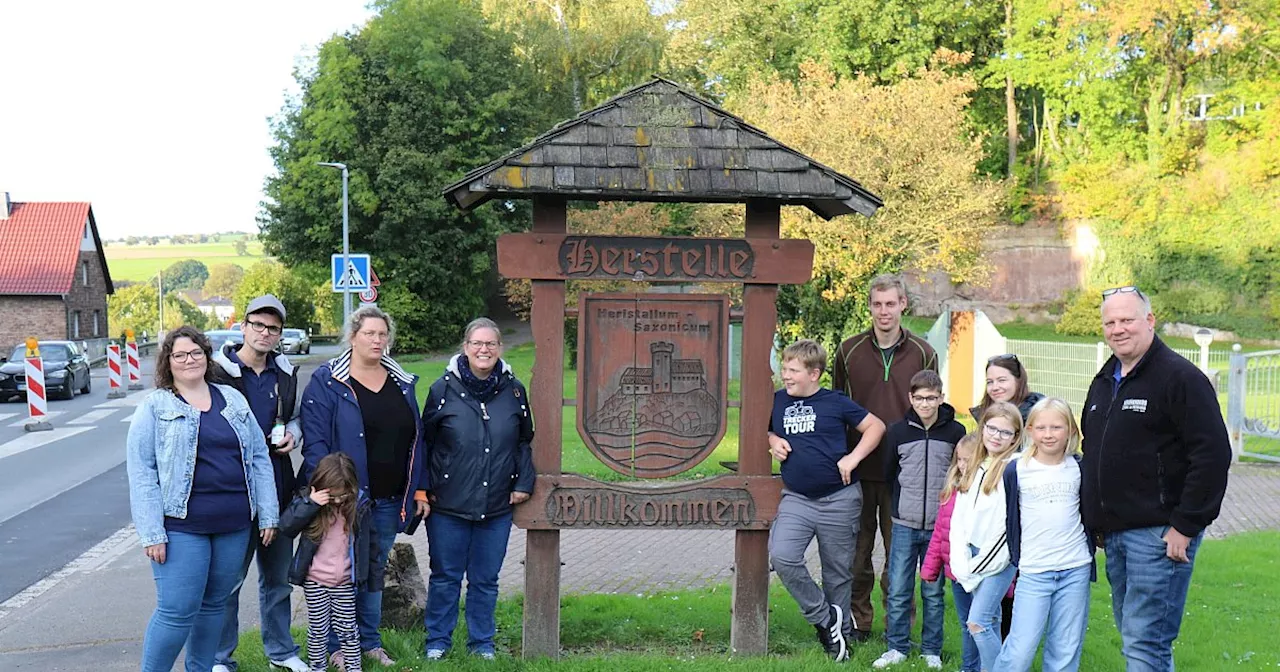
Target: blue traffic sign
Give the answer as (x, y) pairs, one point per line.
(355, 277)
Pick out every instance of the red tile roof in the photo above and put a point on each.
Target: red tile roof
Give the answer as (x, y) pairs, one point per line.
(39, 247)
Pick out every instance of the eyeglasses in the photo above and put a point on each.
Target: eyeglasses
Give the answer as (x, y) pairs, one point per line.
(260, 327)
(926, 399)
(481, 345)
(1127, 289)
(182, 357)
(1007, 357)
(996, 432)
(375, 335)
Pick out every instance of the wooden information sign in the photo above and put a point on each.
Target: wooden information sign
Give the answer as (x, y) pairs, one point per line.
(652, 379)
(568, 502)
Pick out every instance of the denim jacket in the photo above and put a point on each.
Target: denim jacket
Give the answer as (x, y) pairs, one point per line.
(161, 459)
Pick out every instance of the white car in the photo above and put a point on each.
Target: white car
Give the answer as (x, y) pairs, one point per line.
(295, 342)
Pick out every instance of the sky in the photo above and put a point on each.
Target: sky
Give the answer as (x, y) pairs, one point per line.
(156, 112)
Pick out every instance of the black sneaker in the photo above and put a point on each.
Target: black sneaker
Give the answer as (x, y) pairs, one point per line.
(859, 636)
(832, 635)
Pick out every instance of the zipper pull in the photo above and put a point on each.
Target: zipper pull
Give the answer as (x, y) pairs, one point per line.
(484, 412)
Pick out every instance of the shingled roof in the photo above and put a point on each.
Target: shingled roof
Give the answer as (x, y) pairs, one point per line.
(660, 142)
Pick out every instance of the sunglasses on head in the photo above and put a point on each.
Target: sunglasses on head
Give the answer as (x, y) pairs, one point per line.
(1127, 289)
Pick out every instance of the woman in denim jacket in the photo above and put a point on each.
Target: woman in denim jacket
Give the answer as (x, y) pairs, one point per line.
(199, 475)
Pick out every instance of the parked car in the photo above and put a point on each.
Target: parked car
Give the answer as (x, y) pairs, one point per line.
(295, 342)
(220, 337)
(66, 371)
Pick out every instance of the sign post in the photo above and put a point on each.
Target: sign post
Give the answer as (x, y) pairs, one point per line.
(113, 372)
(135, 374)
(37, 410)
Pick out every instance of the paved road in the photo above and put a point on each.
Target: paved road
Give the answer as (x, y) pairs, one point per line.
(63, 492)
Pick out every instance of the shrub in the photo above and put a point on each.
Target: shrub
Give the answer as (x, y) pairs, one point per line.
(1081, 317)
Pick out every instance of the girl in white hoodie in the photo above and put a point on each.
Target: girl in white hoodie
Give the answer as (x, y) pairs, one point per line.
(979, 548)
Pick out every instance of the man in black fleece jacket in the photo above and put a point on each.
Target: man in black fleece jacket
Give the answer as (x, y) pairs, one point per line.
(1153, 476)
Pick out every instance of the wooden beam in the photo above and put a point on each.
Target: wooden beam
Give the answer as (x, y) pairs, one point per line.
(541, 632)
(749, 632)
(547, 256)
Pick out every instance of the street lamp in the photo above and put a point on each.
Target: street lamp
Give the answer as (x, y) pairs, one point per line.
(1203, 338)
(346, 243)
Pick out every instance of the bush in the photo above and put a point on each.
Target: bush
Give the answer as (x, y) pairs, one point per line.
(1081, 316)
(1193, 298)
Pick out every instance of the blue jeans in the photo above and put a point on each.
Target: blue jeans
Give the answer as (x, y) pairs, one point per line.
(386, 524)
(475, 548)
(984, 613)
(1148, 594)
(199, 572)
(906, 553)
(970, 660)
(1060, 598)
(273, 601)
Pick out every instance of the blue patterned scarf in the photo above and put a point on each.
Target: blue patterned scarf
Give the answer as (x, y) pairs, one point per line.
(483, 390)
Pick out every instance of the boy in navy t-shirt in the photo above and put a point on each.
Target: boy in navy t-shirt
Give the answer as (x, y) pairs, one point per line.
(821, 496)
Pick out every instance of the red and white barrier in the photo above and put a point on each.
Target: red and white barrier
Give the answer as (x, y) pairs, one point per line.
(37, 407)
(135, 375)
(114, 373)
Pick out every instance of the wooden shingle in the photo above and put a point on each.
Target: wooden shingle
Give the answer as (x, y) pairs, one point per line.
(660, 142)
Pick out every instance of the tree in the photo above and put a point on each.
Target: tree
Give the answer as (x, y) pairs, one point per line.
(223, 280)
(582, 51)
(185, 274)
(270, 277)
(136, 307)
(908, 143)
(421, 94)
(241, 248)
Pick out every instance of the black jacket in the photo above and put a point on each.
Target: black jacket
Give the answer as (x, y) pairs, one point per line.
(916, 465)
(288, 406)
(1024, 408)
(362, 544)
(477, 454)
(1156, 450)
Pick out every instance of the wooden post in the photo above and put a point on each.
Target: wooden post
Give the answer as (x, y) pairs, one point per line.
(749, 632)
(546, 397)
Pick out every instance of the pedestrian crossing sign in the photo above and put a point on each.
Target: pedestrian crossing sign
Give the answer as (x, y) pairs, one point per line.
(355, 277)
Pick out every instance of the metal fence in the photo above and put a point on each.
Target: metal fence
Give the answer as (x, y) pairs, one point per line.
(1064, 370)
(1253, 404)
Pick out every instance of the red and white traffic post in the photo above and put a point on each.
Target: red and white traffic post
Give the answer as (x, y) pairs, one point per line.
(135, 375)
(37, 407)
(113, 372)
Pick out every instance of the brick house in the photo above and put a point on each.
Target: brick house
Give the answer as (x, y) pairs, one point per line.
(54, 280)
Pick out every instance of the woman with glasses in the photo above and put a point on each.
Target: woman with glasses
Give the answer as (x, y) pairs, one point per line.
(362, 403)
(199, 475)
(479, 431)
(1007, 381)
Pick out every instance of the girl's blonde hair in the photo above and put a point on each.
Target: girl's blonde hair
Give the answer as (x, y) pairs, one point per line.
(970, 442)
(1053, 405)
(999, 409)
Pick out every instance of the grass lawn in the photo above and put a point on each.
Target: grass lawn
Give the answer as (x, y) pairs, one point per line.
(1231, 619)
(140, 262)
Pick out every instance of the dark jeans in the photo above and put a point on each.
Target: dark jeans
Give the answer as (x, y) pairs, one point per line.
(905, 556)
(1148, 595)
(386, 523)
(459, 547)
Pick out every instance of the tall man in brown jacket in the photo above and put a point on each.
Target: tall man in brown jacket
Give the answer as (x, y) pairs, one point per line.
(874, 368)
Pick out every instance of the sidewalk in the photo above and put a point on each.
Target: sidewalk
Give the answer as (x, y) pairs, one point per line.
(93, 615)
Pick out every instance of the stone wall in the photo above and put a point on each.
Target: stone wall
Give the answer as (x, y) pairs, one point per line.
(86, 298)
(43, 317)
(1032, 267)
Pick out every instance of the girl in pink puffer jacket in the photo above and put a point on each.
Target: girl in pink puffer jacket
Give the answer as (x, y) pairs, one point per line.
(936, 558)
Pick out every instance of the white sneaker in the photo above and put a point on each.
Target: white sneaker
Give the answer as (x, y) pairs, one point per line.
(435, 654)
(222, 668)
(890, 657)
(932, 662)
(292, 663)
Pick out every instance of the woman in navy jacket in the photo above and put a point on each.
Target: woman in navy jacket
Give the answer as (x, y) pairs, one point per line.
(479, 432)
(362, 403)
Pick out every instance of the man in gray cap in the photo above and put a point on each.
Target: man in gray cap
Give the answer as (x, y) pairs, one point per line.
(270, 383)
